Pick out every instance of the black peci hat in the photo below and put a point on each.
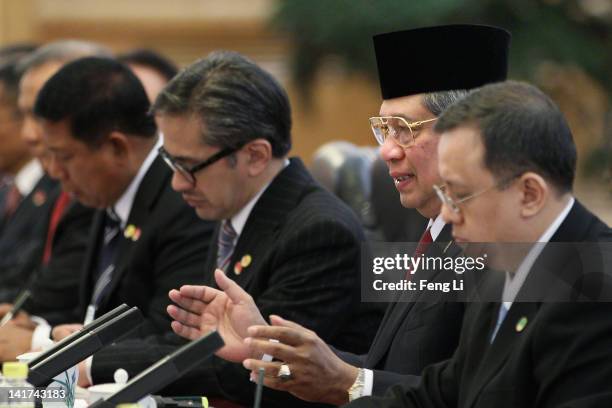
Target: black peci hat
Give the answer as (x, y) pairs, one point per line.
(440, 58)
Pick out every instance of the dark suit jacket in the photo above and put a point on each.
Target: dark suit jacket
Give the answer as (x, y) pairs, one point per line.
(170, 252)
(305, 248)
(545, 354)
(416, 331)
(23, 238)
(55, 286)
(22, 243)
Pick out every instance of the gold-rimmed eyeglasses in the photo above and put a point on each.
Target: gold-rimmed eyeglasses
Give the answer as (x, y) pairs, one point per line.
(402, 131)
(453, 204)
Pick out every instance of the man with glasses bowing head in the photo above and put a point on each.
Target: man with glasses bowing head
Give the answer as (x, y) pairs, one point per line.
(542, 336)
(290, 244)
(419, 78)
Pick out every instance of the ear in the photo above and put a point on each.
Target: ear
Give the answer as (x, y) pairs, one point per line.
(259, 154)
(118, 144)
(534, 194)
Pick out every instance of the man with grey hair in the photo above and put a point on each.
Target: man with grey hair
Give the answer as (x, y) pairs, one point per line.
(280, 236)
(416, 330)
(53, 228)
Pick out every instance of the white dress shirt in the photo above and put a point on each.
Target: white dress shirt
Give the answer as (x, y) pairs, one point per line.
(27, 177)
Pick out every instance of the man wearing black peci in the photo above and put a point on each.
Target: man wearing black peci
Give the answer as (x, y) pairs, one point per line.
(415, 330)
(508, 159)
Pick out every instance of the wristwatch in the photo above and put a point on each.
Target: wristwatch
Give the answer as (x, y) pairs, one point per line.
(356, 390)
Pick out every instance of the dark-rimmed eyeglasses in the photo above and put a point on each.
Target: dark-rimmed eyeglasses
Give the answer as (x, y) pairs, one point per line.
(402, 132)
(189, 172)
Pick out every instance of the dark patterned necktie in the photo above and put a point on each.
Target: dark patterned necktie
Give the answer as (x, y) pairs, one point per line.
(227, 236)
(106, 256)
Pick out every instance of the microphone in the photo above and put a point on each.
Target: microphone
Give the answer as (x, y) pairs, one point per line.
(165, 371)
(42, 373)
(77, 335)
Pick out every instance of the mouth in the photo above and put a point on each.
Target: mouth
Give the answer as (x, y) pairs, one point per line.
(401, 180)
(192, 202)
(459, 239)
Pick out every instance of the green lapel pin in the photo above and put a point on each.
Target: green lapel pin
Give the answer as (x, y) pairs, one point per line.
(520, 325)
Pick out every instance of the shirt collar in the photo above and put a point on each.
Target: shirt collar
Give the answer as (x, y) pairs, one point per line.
(123, 206)
(239, 220)
(28, 176)
(514, 283)
(436, 226)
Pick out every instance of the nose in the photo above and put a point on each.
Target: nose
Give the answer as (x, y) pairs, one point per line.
(449, 216)
(179, 183)
(391, 151)
(55, 169)
(28, 129)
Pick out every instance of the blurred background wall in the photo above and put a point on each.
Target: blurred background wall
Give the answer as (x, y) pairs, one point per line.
(321, 51)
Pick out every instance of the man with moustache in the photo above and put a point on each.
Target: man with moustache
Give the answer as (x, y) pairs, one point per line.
(414, 332)
(103, 148)
(507, 159)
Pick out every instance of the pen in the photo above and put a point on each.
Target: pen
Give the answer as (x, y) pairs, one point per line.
(23, 296)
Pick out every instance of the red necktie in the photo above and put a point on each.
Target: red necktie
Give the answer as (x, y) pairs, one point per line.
(424, 243)
(58, 210)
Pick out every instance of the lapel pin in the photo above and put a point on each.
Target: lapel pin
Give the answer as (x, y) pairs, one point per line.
(238, 268)
(520, 325)
(39, 198)
(132, 232)
(246, 261)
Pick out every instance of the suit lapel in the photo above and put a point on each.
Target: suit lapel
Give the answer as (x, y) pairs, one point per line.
(43, 194)
(573, 229)
(496, 354)
(151, 186)
(261, 228)
(397, 311)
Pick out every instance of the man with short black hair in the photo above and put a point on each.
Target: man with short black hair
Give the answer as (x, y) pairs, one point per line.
(507, 160)
(102, 146)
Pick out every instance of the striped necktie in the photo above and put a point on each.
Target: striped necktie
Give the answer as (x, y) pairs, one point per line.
(227, 238)
(106, 256)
